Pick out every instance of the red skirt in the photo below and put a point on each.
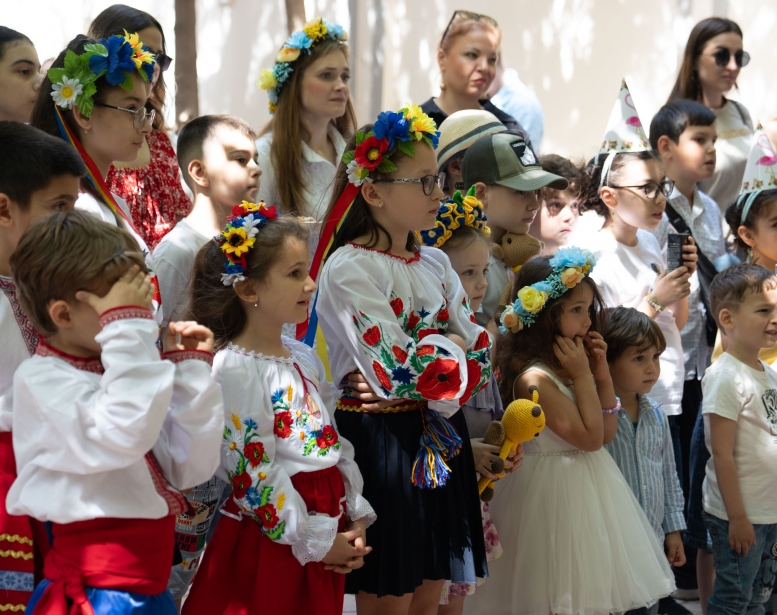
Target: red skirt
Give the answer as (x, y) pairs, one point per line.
(245, 573)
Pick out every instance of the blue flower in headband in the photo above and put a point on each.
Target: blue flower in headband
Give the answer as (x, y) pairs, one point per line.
(281, 71)
(299, 40)
(117, 63)
(570, 257)
(334, 29)
(453, 214)
(390, 126)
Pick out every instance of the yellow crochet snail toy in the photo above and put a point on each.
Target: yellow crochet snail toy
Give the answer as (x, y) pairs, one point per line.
(522, 421)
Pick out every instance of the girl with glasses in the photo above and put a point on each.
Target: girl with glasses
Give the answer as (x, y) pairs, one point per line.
(713, 57)
(150, 184)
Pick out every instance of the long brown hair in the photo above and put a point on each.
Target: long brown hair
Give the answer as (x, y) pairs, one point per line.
(517, 351)
(688, 85)
(286, 125)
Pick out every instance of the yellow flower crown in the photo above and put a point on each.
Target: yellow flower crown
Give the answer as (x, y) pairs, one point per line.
(453, 214)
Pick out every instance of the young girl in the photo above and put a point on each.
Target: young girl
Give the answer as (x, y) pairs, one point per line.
(559, 209)
(461, 232)
(398, 314)
(282, 545)
(575, 538)
(97, 103)
(19, 78)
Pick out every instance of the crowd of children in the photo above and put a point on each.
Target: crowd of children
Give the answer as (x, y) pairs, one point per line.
(273, 408)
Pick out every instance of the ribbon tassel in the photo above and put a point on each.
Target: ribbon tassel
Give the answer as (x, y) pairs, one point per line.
(439, 443)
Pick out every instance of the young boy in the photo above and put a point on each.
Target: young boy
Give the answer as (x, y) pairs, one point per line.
(559, 209)
(39, 174)
(507, 175)
(217, 155)
(740, 429)
(105, 431)
(642, 446)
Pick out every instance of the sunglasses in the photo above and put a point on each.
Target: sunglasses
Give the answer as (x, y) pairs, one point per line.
(163, 61)
(723, 57)
(468, 16)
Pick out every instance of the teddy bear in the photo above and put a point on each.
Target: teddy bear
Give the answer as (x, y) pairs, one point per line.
(522, 421)
(514, 250)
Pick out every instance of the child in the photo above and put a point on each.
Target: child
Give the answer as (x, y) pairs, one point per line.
(105, 432)
(740, 422)
(507, 176)
(577, 539)
(39, 175)
(398, 314)
(217, 156)
(19, 77)
(105, 123)
(283, 542)
(642, 446)
(559, 209)
(461, 232)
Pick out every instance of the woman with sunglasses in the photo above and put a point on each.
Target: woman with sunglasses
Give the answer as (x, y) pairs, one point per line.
(711, 63)
(150, 185)
(467, 57)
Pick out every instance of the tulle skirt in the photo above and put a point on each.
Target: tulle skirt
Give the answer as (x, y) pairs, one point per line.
(575, 541)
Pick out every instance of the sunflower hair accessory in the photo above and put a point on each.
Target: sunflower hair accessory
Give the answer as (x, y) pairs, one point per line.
(392, 132)
(115, 58)
(240, 236)
(453, 214)
(570, 266)
(301, 41)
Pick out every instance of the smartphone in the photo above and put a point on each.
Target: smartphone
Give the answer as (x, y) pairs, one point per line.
(674, 252)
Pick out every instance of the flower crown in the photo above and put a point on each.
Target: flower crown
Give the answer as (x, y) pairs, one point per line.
(570, 266)
(392, 132)
(453, 214)
(116, 58)
(240, 236)
(301, 41)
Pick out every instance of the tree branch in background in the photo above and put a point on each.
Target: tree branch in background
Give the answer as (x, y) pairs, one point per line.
(187, 93)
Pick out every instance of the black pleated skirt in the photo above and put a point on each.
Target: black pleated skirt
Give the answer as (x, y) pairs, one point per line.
(420, 533)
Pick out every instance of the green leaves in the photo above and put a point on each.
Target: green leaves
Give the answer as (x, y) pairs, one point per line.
(264, 495)
(348, 156)
(386, 166)
(309, 444)
(406, 147)
(360, 136)
(276, 532)
(97, 49)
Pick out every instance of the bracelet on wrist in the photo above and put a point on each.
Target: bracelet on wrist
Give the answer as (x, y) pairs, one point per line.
(614, 410)
(654, 303)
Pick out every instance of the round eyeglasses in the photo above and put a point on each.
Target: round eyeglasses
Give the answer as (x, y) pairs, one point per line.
(651, 189)
(139, 115)
(428, 182)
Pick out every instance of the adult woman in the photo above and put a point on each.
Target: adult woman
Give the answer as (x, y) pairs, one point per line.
(467, 57)
(711, 63)
(310, 100)
(151, 185)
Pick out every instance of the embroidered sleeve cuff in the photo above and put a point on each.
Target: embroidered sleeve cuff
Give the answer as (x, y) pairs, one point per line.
(124, 313)
(674, 522)
(359, 508)
(179, 356)
(318, 539)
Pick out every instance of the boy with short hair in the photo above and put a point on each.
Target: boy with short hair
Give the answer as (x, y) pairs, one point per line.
(740, 429)
(105, 431)
(39, 175)
(506, 175)
(642, 447)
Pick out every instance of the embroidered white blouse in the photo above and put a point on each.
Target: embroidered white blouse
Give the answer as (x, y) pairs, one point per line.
(387, 317)
(84, 428)
(279, 422)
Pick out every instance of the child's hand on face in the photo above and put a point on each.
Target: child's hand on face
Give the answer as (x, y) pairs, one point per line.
(188, 335)
(597, 355)
(572, 356)
(690, 255)
(132, 289)
(675, 552)
(484, 454)
(669, 288)
(741, 535)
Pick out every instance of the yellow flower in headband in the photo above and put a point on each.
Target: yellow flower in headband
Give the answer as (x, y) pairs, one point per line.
(511, 321)
(273, 107)
(315, 29)
(419, 121)
(532, 300)
(140, 56)
(287, 54)
(267, 80)
(249, 206)
(236, 241)
(571, 276)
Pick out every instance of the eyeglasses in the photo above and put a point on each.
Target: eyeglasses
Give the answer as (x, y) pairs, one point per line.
(163, 61)
(428, 182)
(139, 115)
(723, 57)
(468, 16)
(651, 189)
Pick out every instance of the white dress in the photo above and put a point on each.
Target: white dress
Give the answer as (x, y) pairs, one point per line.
(575, 539)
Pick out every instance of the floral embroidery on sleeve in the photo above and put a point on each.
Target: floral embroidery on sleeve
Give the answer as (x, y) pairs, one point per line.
(306, 422)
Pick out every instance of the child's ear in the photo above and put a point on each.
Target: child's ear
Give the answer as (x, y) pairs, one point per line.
(481, 193)
(665, 149)
(746, 235)
(7, 211)
(371, 195)
(608, 196)
(725, 319)
(198, 174)
(59, 312)
(248, 290)
(84, 123)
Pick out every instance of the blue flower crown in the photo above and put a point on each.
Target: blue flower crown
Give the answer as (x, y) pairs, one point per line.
(570, 266)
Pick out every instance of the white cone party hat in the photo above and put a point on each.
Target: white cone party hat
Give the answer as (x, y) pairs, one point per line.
(760, 172)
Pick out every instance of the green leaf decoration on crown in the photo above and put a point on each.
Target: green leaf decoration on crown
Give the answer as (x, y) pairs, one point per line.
(453, 214)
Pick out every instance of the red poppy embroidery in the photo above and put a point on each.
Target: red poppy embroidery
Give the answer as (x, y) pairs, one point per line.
(472, 319)
(372, 336)
(422, 351)
(426, 332)
(443, 315)
(397, 305)
(474, 373)
(399, 354)
(440, 380)
(327, 438)
(254, 453)
(240, 484)
(267, 515)
(413, 320)
(283, 423)
(482, 341)
(383, 377)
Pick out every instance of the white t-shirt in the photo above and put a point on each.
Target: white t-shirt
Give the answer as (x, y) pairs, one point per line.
(174, 258)
(624, 275)
(738, 392)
